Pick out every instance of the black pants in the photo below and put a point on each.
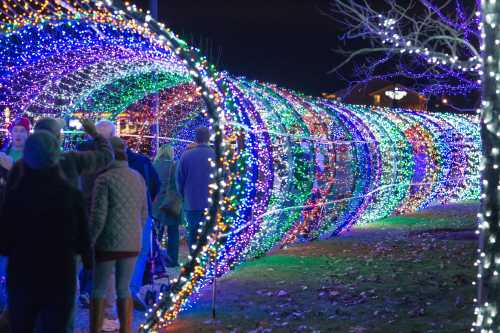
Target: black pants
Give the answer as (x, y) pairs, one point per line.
(47, 314)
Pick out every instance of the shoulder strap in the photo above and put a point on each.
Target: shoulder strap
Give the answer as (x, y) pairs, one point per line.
(171, 175)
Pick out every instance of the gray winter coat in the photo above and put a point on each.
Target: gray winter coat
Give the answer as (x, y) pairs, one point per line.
(119, 209)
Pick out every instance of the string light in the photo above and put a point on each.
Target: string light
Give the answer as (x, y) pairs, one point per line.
(289, 167)
(488, 292)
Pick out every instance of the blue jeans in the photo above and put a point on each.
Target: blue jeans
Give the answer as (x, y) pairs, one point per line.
(123, 273)
(172, 226)
(142, 259)
(193, 219)
(173, 244)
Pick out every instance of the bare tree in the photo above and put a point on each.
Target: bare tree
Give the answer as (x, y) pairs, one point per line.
(453, 49)
(434, 47)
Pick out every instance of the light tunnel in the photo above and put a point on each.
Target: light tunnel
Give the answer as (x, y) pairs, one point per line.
(289, 167)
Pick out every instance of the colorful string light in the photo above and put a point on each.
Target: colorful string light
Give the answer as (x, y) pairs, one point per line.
(289, 167)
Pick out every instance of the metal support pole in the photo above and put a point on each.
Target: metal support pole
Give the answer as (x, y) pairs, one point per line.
(153, 9)
(214, 292)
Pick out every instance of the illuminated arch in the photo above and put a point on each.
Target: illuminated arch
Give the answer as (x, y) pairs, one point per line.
(289, 167)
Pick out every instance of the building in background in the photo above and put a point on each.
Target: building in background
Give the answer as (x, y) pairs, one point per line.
(381, 94)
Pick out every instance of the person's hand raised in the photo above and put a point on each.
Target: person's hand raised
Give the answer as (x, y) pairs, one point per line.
(89, 127)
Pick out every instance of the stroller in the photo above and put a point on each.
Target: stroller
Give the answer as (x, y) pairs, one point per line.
(156, 277)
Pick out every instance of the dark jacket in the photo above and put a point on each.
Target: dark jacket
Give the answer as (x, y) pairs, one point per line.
(42, 228)
(193, 177)
(73, 164)
(4, 173)
(3, 176)
(143, 165)
(87, 181)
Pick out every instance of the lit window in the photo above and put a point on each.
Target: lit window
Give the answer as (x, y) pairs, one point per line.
(396, 94)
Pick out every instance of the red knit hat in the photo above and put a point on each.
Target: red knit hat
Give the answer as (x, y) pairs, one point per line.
(23, 121)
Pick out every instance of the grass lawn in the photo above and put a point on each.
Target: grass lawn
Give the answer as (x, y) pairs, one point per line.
(408, 274)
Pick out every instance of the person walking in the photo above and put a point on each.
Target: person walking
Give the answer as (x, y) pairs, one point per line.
(19, 131)
(143, 165)
(119, 210)
(105, 129)
(166, 208)
(75, 164)
(43, 228)
(193, 179)
(11, 153)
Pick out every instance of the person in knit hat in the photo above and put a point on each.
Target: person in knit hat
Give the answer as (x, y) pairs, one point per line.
(43, 228)
(41, 151)
(72, 164)
(75, 164)
(52, 125)
(119, 211)
(19, 131)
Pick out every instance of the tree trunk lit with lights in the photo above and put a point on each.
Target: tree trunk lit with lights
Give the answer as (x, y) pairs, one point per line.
(488, 301)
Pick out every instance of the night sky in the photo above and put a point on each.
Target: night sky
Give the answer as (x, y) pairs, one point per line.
(288, 42)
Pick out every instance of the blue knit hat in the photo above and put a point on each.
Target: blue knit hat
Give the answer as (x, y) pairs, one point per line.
(41, 150)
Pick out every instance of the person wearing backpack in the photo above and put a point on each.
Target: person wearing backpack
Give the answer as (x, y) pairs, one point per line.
(167, 206)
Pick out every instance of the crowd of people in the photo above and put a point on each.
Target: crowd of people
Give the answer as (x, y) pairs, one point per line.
(82, 220)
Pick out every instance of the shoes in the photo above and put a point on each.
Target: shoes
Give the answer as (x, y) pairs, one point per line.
(138, 303)
(84, 300)
(110, 325)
